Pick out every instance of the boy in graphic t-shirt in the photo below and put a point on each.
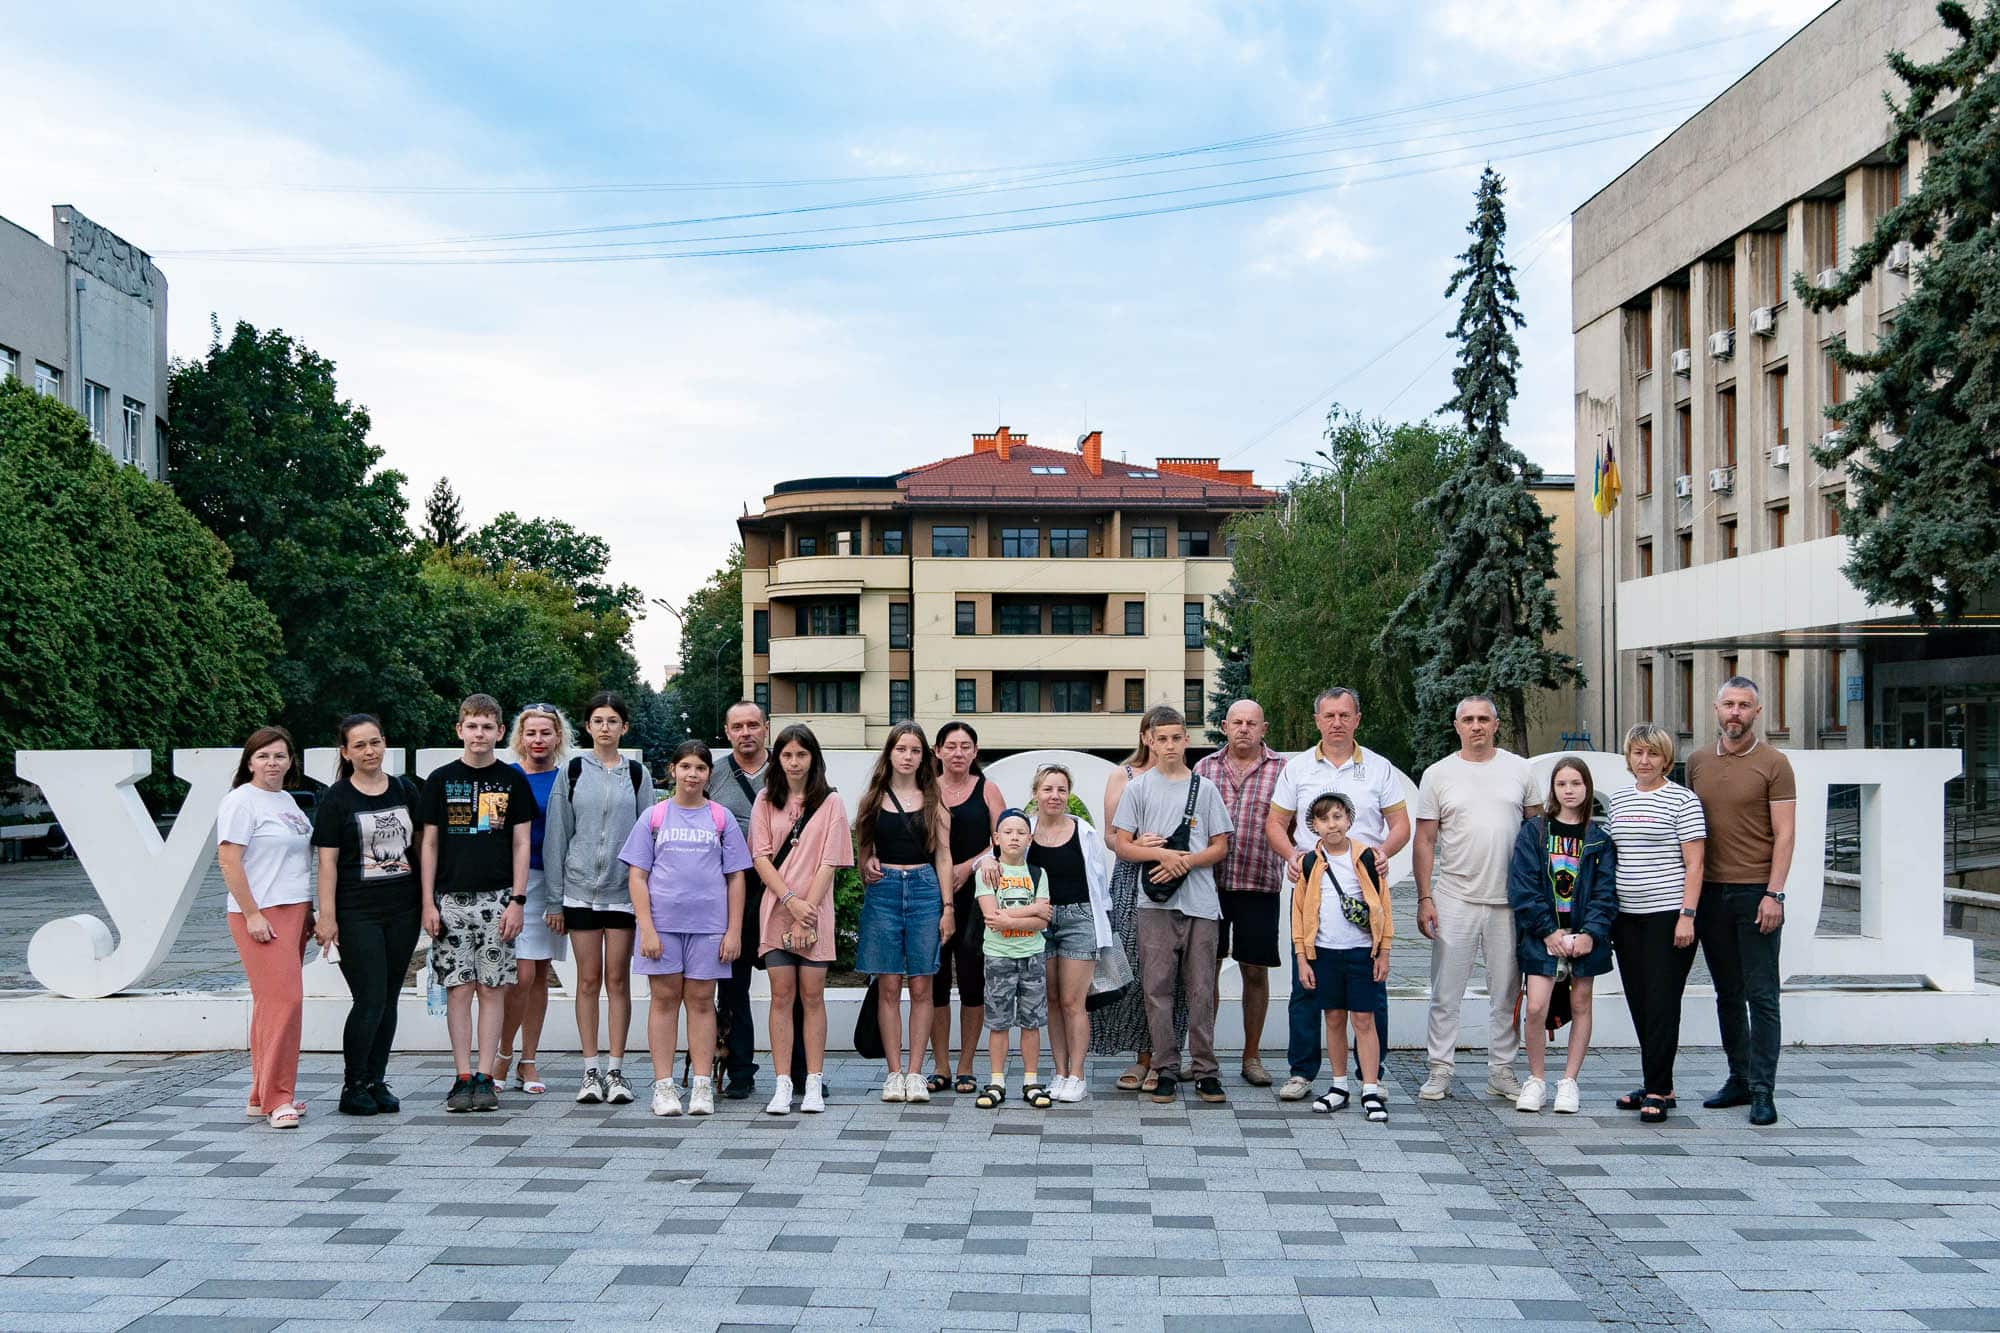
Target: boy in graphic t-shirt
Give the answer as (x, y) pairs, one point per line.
(476, 813)
(1017, 914)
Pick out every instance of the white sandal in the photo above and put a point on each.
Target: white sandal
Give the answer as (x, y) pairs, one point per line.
(285, 1117)
(531, 1086)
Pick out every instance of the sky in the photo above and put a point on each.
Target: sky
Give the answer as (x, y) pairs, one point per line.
(501, 223)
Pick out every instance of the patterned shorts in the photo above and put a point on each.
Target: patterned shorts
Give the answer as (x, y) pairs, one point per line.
(1017, 993)
(469, 950)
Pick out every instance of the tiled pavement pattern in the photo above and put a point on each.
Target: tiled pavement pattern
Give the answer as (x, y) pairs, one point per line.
(1873, 1205)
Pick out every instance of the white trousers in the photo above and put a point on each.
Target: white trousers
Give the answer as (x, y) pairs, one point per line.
(1463, 930)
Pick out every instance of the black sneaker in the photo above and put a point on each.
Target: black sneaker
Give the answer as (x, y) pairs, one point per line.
(385, 1101)
(484, 1098)
(740, 1088)
(460, 1097)
(356, 1099)
(1210, 1089)
(1163, 1090)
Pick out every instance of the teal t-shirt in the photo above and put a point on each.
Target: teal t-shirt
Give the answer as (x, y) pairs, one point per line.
(1020, 886)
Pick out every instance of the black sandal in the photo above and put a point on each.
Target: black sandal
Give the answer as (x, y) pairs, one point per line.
(937, 1083)
(963, 1084)
(991, 1097)
(1654, 1110)
(1037, 1096)
(1326, 1103)
(1636, 1098)
(1376, 1105)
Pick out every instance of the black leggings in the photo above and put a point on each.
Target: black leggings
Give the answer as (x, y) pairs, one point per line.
(964, 953)
(375, 949)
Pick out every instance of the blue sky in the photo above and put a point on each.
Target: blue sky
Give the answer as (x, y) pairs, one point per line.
(650, 399)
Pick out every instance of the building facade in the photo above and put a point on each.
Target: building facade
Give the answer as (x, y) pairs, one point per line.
(85, 320)
(1694, 357)
(1047, 596)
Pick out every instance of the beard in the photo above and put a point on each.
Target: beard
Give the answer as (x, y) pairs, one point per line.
(1734, 730)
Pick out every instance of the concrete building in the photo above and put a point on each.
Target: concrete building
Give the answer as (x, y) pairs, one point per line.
(85, 320)
(1693, 356)
(1048, 596)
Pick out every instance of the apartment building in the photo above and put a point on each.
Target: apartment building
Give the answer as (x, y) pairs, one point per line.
(85, 320)
(1696, 360)
(1048, 596)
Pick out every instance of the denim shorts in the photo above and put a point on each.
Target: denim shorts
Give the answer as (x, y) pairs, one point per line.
(899, 924)
(1072, 932)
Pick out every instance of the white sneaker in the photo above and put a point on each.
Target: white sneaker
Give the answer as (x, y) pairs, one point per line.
(1296, 1089)
(591, 1090)
(892, 1089)
(815, 1098)
(1074, 1089)
(1500, 1081)
(1568, 1096)
(781, 1097)
(666, 1097)
(701, 1096)
(1532, 1093)
(915, 1089)
(1438, 1086)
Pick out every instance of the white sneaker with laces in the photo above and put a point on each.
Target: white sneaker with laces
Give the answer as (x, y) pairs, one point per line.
(1568, 1096)
(616, 1090)
(815, 1098)
(1295, 1089)
(892, 1089)
(701, 1096)
(1500, 1081)
(592, 1088)
(915, 1089)
(781, 1097)
(1532, 1094)
(666, 1097)
(1077, 1090)
(1438, 1086)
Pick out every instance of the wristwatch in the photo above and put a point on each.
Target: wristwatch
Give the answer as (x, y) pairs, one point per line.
(1688, 912)
(1779, 896)
(521, 898)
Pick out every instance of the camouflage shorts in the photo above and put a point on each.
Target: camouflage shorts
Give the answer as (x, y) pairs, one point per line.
(1017, 993)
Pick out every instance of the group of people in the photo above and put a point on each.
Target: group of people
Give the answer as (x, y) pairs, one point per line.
(1110, 940)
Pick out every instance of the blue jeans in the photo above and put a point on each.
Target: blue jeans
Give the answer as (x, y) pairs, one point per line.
(1308, 1031)
(899, 924)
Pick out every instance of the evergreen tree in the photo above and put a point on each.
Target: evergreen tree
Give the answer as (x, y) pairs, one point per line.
(1917, 439)
(444, 518)
(1479, 619)
(710, 675)
(1227, 628)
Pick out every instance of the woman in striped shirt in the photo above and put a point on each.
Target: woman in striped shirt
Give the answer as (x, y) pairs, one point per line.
(1660, 832)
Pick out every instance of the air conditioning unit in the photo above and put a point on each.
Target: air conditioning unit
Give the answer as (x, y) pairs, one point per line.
(1722, 480)
(1684, 487)
(1781, 455)
(1683, 361)
(1900, 255)
(1832, 439)
(1764, 321)
(1826, 277)
(1722, 345)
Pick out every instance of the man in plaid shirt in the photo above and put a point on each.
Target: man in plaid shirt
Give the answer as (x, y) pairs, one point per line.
(1250, 879)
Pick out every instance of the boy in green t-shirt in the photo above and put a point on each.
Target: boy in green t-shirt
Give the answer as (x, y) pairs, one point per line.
(1017, 912)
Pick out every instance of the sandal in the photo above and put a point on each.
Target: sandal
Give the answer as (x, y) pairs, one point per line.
(1334, 1099)
(963, 1085)
(529, 1083)
(1377, 1107)
(1037, 1096)
(1150, 1083)
(500, 1066)
(285, 1117)
(1636, 1098)
(1130, 1080)
(991, 1097)
(937, 1083)
(1654, 1110)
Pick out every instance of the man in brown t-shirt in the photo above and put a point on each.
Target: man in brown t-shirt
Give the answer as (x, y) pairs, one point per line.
(1749, 799)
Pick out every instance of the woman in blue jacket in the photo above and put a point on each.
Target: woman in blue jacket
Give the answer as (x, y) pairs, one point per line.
(1562, 884)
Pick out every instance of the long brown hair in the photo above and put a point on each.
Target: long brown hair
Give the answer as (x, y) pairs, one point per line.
(1142, 756)
(777, 787)
(878, 785)
(1552, 808)
(260, 738)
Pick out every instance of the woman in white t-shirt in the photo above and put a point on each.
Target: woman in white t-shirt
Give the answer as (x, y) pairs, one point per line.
(264, 847)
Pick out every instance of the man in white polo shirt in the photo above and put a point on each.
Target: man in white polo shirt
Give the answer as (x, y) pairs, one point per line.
(1381, 820)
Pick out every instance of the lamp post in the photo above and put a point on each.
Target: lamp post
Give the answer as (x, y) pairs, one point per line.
(715, 659)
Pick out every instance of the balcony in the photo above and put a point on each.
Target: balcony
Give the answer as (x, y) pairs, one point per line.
(817, 575)
(1065, 731)
(818, 654)
(1097, 576)
(1054, 652)
(834, 731)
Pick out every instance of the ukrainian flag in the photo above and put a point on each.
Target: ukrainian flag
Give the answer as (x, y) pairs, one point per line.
(1604, 482)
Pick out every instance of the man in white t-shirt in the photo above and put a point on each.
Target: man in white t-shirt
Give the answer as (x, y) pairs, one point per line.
(1469, 811)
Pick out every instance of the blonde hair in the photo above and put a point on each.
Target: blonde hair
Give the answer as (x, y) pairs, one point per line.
(565, 742)
(1651, 736)
(1069, 783)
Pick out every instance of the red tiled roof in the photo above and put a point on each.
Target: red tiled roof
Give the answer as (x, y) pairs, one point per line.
(984, 477)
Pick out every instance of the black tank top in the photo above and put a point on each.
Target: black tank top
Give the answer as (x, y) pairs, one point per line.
(1069, 884)
(971, 825)
(899, 839)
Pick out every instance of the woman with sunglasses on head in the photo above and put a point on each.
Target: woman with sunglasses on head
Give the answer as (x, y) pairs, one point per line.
(540, 741)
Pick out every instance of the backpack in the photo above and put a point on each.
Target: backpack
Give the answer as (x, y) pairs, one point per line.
(656, 818)
(632, 771)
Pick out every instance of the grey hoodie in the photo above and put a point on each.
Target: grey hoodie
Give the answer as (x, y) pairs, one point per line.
(580, 849)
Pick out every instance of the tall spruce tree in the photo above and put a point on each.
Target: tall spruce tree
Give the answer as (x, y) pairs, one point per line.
(444, 517)
(1479, 620)
(1917, 438)
(1226, 628)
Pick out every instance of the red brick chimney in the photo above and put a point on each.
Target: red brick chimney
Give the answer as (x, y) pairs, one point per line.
(999, 442)
(1206, 469)
(1092, 448)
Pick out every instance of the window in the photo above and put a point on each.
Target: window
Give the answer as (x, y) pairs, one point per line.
(1836, 381)
(1194, 543)
(1729, 661)
(1781, 693)
(1685, 669)
(1729, 543)
(1722, 298)
(1831, 697)
(1725, 425)
(1069, 543)
(1143, 472)
(48, 381)
(760, 694)
(829, 695)
(899, 701)
(1832, 234)
(968, 696)
(760, 631)
(1020, 617)
(1051, 470)
(135, 430)
(1646, 558)
(1193, 633)
(1774, 392)
(1069, 618)
(1019, 696)
(899, 624)
(964, 621)
(1069, 696)
(1778, 513)
(1639, 328)
(1683, 319)
(96, 407)
(830, 618)
(1135, 695)
(1229, 544)
(1020, 543)
(1646, 691)
(1193, 700)
(1771, 266)
(846, 541)
(1646, 457)
(1149, 543)
(955, 542)
(1135, 617)
(892, 541)
(1838, 232)
(806, 546)
(10, 363)
(1684, 550)
(1684, 441)
(1831, 513)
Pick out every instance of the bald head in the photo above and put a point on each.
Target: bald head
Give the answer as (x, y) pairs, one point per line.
(1244, 726)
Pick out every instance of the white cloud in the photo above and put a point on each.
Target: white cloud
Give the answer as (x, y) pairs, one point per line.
(1556, 33)
(1313, 235)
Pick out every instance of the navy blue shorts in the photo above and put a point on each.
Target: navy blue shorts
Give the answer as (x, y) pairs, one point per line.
(1345, 979)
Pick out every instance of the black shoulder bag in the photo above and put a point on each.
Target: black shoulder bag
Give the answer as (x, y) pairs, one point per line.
(1178, 842)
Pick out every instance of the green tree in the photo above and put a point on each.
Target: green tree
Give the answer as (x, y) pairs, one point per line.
(1917, 438)
(444, 517)
(560, 551)
(710, 675)
(508, 633)
(1232, 645)
(120, 625)
(267, 454)
(656, 723)
(1479, 620)
(1317, 574)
